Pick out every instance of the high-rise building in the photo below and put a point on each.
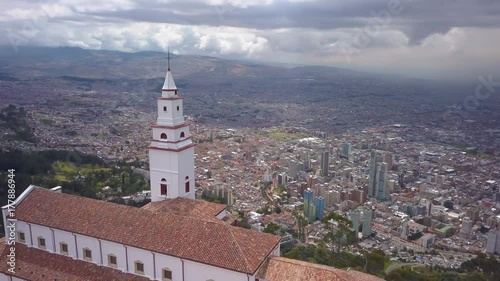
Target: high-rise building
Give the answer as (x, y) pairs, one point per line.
(308, 200)
(321, 190)
(493, 242)
(428, 206)
(320, 207)
(372, 191)
(472, 213)
(355, 222)
(466, 226)
(304, 156)
(357, 195)
(405, 229)
(378, 186)
(325, 163)
(389, 159)
(367, 221)
(312, 213)
(268, 176)
(336, 197)
(491, 222)
(282, 179)
(381, 184)
(228, 196)
(421, 210)
(293, 169)
(311, 181)
(347, 150)
(329, 200)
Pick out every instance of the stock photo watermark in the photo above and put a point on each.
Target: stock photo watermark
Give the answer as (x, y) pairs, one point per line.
(11, 221)
(485, 87)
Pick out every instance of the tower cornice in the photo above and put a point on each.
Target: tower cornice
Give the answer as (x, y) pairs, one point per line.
(171, 149)
(169, 98)
(186, 124)
(172, 142)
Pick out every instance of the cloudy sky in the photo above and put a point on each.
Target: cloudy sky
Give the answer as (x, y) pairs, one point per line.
(422, 38)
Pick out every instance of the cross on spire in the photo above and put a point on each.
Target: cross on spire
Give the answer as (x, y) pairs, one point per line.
(168, 58)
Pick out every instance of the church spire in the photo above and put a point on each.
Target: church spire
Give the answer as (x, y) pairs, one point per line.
(171, 152)
(169, 84)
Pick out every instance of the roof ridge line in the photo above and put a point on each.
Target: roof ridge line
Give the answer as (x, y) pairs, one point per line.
(239, 248)
(156, 213)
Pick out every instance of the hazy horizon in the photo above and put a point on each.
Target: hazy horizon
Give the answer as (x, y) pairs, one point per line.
(452, 39)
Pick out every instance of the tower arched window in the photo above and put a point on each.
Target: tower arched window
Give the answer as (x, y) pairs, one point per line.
(183, 135)
(163, 136)
(164, 108)
(178, 108)
(163, 187)
(186, 185)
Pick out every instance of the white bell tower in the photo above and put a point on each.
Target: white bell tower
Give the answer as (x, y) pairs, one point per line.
(171, 152)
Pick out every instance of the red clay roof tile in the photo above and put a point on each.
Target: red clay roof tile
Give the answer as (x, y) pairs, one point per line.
(284, 269)
(208, 241)
(187, 207)
(35, 264)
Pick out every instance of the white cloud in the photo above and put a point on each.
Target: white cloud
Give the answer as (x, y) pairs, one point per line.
(239, 3)
(67, 23)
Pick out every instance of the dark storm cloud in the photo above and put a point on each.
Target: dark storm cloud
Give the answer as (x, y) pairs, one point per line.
(417, 19)
(417, 37)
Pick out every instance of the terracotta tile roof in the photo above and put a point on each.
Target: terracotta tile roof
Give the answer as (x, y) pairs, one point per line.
(209, 241)
(35, 264)
(187, 207)
(283, 269)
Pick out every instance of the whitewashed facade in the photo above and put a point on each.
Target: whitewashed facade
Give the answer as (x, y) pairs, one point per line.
(127, 257)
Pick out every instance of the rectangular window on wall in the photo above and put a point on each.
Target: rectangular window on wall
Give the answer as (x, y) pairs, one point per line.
(163, 189)
(22, 238)
(187, 187)
(41, 242)
(112, 260)
(167, 274)
(64, 248)
(87, 254)
(139, 267)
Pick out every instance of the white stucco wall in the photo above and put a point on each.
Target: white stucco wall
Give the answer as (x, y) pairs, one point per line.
(171, 117)
(172, 263)
(168, 165)
(68, 238)
(277, 251)
(4, 277)
(42, 231)
(112, 248)
(91, 243)
(146, 257)
(195, 271)
(23, 227)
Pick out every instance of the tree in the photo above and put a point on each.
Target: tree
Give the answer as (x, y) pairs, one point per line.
(293, 254)
(271, 228)
(375, 261)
